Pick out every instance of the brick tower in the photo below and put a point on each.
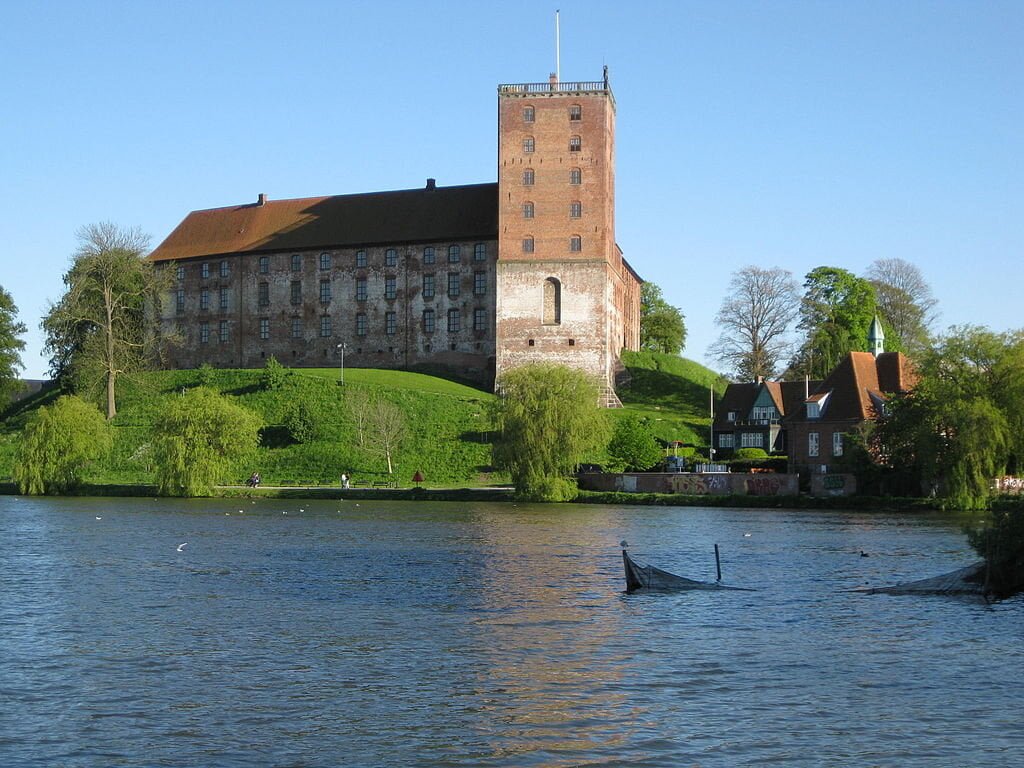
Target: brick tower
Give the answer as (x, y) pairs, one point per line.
(564, 292)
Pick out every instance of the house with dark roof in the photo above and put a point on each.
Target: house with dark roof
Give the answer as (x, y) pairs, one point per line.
(751, 414)
(471, 280)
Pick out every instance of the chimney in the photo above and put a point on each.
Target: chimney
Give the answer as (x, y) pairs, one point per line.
(431, 184)
(553, 80)
(262, 199)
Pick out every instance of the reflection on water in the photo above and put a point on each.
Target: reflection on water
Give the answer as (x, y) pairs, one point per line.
(473, 635)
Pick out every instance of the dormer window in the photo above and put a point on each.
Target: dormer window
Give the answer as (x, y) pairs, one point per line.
(813, 410)
(730, 416)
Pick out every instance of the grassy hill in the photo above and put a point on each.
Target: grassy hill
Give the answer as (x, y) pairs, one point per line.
(448, 423)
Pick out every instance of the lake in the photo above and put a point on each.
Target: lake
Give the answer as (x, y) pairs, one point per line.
(419, 634)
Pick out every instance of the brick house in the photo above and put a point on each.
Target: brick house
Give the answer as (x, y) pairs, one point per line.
(751, 414)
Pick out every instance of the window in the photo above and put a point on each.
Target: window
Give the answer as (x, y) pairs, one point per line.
(479, 319)
(360, 258)
(576, 177)
(264, 265)
(179, 300)
(752, 440)
(389, 323)
(325, 325)
(731, 416)
(453, 284)
(837, 443)
(764, 413)
(223, 330)
(204, 270)
(454, 321)
(480, 252)
(204, 333)
(296, 327)
(575, 209)
(325, 291)
(428, 321)
(390, 290)
(574, 144)
(361, 324)
(264, 294)
(552, 302)
(575, 113)
(725, 440)
(204, 299)
(428, 286)
(813, 410)
(296, 292)
(812, 443)
(527, 245)
(225, 268)
(528, 177)
(528, 144)
(428, 255)
(325, 262)
(180, 273)
(223, 298)
(528, 114)
(527, 210)
(454, 254)
(296, 262)
(575, 244)
(264, 328)
(360, 289)
(479, 283)
(390, 257)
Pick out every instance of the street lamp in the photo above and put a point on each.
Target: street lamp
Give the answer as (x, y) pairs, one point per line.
(341, 379)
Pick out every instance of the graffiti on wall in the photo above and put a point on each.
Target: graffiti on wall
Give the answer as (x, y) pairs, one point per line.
(763, 485)
(699, 485)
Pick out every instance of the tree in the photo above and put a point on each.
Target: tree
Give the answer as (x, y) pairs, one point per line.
(904, 301)
(385, 424)
(10, 347)
(199, 439)
(548, 420)
(755, 318)
(958, 428)
(58, 443)
(661, 325)
(100, 329)
(633, 446)
(835, 315)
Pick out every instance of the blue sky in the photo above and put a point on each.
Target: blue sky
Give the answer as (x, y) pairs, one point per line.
(792, 134)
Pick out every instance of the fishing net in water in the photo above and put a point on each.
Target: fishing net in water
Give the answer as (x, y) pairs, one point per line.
(648, 577)
(963, 581)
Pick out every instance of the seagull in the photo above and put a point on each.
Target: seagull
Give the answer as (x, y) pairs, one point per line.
(623, 543)
(284, 511)
(98, 517)
(181, 547)
(746, 535)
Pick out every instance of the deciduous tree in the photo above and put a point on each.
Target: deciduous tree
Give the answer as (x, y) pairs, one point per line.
(756, 317)
(548, 421)
(10, 347)
(662, 328)
(58, 443)
(904, 301)
(633, 446)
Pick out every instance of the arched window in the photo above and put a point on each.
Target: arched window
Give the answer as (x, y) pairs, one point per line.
(528, 144)
(552, 302)
(575, 209)
(575, 113)
(528, 244)
(528, 177)
(576, 176)
(575, 144)
(575, 244)
(528, 114)
(527, 210)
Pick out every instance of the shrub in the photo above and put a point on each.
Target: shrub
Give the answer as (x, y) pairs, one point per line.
(633, 447)
(300, 421)
(274, 374)
(205, 374)
(59, 441)
(750, 453)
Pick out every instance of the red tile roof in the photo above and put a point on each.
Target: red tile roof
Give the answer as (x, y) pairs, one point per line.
(859, 376)
(412, 215)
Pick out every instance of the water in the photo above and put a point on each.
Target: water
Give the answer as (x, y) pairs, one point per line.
(384, 634)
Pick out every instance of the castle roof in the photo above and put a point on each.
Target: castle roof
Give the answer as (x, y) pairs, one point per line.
(431, 214)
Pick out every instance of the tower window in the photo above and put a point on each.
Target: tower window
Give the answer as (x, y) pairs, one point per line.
(574, 144)
(575, 113)
(575, 209)
(527, 245)
(528, 114)
(528, 177)
(528, 144)
(576, 177)
(575, 244)
(527, 210)
(552, 302)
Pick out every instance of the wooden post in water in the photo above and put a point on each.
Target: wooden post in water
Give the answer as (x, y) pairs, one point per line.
(718, 563)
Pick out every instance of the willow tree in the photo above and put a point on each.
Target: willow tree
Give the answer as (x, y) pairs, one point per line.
(10, 347)
(58, 443)
(199, 439)
(548, 420)
(103, 326)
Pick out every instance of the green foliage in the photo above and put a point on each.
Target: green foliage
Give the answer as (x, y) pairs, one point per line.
(1000, 540)
(750, 453)
(10, 347)
(662, 328)
(633, 446)
(300, 421)
(199, 440)
(274, 375)
(59, 441)
(548, 419)
(206, 374)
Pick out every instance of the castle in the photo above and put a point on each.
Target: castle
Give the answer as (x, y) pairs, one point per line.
(470, 280)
